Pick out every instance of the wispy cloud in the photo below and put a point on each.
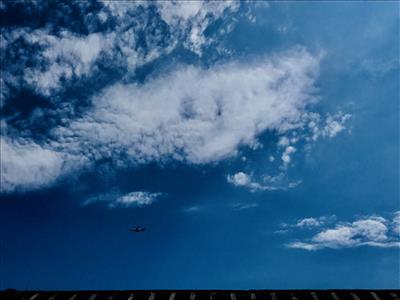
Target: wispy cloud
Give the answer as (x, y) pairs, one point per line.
(244, 206)
(192, 209)
(129, 200)
(373, 231)
(48, 57)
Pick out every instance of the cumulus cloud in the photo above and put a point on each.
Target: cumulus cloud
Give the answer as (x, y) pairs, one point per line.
(243, 180)
(286, 156)
(267, 183)
(329, 127)
(371, 231)
(129, 200)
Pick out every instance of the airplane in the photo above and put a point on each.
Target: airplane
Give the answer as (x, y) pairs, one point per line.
(137, 229)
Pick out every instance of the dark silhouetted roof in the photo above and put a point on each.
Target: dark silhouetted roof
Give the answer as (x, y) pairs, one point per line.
(204, 295)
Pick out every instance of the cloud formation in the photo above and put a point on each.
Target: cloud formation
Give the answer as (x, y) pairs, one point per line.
(267, 182)
(129, 200)
(373, 231)
(135, 199)
(243, 180)
(26, 165)
(188, 113)
(198, 115)
(310, 222)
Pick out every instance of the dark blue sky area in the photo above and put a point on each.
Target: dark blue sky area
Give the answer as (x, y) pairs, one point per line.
(226, 219)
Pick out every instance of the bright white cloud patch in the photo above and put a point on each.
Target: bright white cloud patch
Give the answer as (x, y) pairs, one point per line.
(243, 180)
(267, 183)
(371, 231)
(135, 199)
(27, 165)
(286, 156)
(309, 222)
(328, 128)
(63, 58)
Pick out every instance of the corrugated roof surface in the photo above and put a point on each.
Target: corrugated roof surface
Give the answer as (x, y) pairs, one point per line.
(204, 295)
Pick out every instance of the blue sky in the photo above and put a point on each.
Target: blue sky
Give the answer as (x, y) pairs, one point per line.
(257, 142)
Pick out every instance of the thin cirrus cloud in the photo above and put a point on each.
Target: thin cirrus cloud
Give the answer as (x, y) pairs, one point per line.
(130, 200)
(189, 114)
(372, 231)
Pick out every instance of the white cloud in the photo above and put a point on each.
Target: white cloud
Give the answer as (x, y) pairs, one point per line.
(309, 222)
(135, 199)
(64, 57)
(396, 223)
(371, 231)
(186, 20)
(286, 156)
(132, 199)
(194, 114)
(243, 180)
(268, 183)
(28, 165)
(50, 58)
(190, 114)
(335, 124)
(191, 19)
(328, 128)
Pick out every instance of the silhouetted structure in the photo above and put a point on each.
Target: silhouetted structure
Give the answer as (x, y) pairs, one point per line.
(204, 295)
